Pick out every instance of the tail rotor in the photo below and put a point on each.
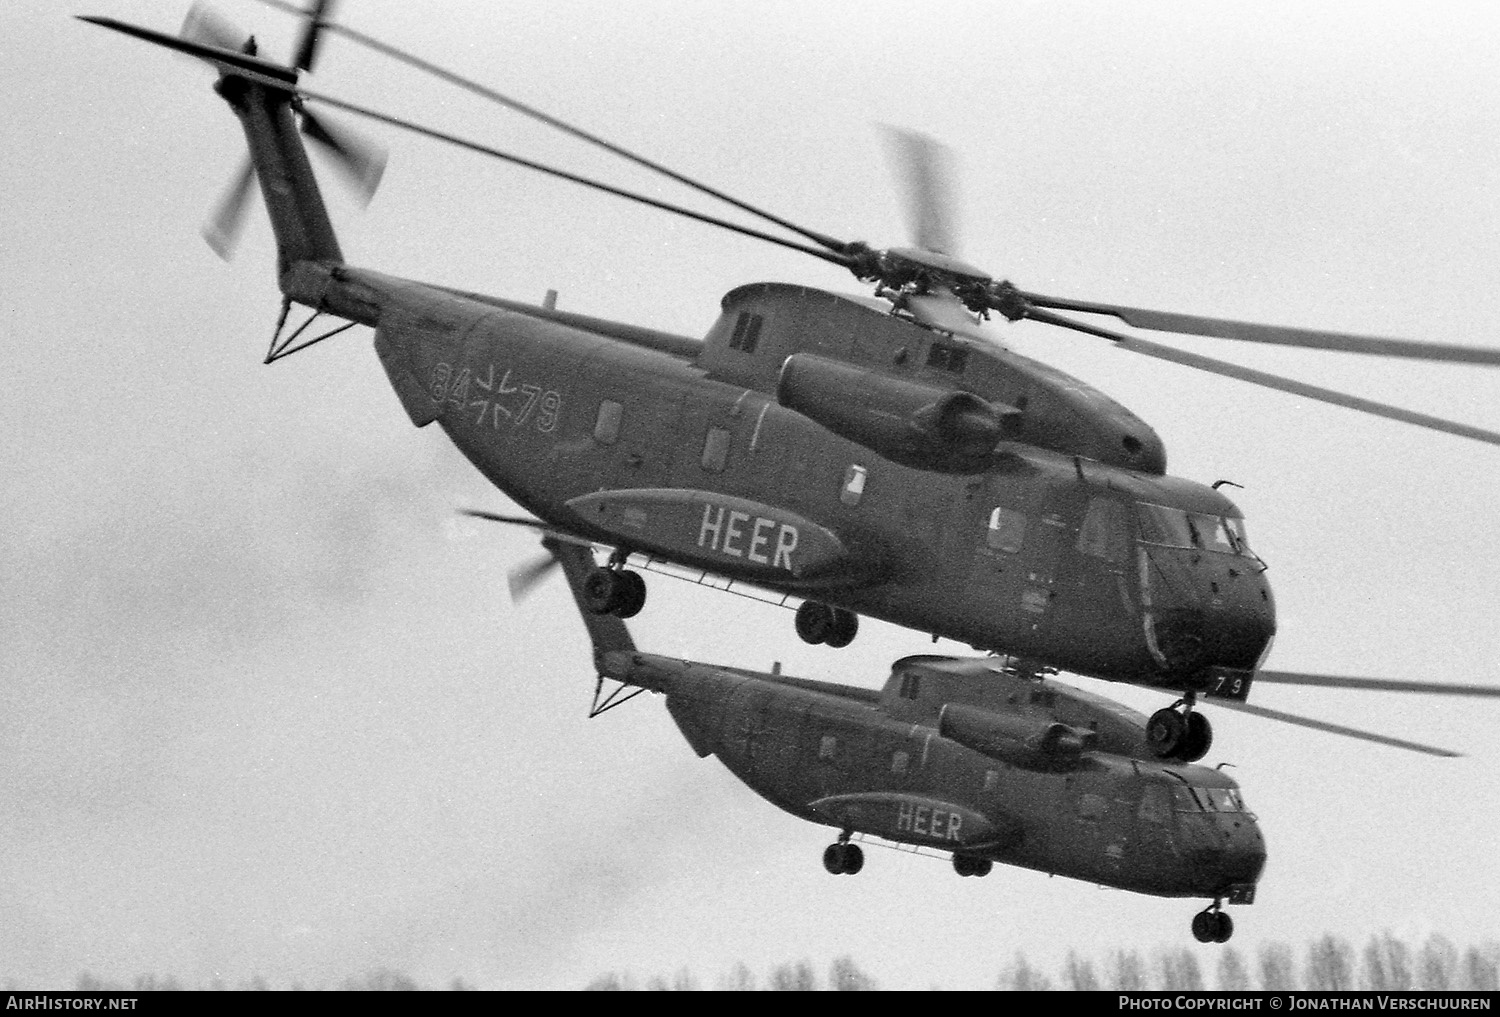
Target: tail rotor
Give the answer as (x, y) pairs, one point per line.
(525, 578)
(360, 162)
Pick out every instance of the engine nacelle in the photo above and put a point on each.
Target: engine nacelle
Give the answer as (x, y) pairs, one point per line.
(1034, 743)
(925, 426)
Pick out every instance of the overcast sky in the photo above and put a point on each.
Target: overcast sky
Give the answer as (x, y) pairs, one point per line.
(266, 708)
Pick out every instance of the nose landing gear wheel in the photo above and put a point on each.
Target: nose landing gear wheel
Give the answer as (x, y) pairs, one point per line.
(1212, 925)
(1180, 734)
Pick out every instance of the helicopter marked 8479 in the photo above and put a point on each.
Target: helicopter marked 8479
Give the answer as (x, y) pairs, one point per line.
(880, 455)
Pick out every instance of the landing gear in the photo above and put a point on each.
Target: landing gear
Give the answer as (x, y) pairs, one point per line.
(1211, 925)
(972, 865)
(616, 591)
(1179, 733)
(843, 858)
(819, 623)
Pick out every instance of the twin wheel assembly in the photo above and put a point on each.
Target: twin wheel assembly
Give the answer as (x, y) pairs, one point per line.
(1178, 733)
(819, 623)
(1212, 925)
(615, 591)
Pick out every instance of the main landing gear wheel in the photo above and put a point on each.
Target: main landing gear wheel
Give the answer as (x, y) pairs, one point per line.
(819, 623)
(1212, 925)
(843, 859)
(614, 591)
(972, 865)
(1183, 735)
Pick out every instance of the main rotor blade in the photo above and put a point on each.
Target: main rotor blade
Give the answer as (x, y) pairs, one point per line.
(262, 73)
(844, 261)
(1338, 729)
(222, 231)
(1272, 381)
(924, 168)
(517, 106)
(1333, 681)
(1280, 335)
(252, 68)
(361, 161)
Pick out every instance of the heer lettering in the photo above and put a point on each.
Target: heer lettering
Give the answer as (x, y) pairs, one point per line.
(757, 539)
(954, 821)
(733, 532)
(919, 824)
(714, 527)
(786, 543)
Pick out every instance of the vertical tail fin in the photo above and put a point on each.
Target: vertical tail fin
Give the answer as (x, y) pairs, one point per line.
(299, 217)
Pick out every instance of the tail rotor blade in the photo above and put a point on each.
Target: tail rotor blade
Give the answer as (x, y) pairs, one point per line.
(318, 14)
(523, 579)
(208, 27)
(222, 231)
(362, 162)
(924, 168)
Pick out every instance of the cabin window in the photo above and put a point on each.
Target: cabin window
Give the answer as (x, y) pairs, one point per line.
(948, 358)
(1103, 534)
(1007, 530)
(828, 747)
(716, 449)
(746, 332)
(909, 683)
(854, 485)
(607, 426)
(900, 761)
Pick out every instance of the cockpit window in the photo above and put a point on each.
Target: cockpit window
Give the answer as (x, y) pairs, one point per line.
(1223, 799)
(1174, 527)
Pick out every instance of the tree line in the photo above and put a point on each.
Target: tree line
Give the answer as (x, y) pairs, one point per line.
(1329, 963)
(1382, 963)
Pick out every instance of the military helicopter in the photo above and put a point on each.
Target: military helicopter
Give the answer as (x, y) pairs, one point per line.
(882, 455)
(957, 756)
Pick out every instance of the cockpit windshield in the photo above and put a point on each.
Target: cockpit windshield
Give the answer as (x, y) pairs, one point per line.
(1174, 527)
(1207, 799)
